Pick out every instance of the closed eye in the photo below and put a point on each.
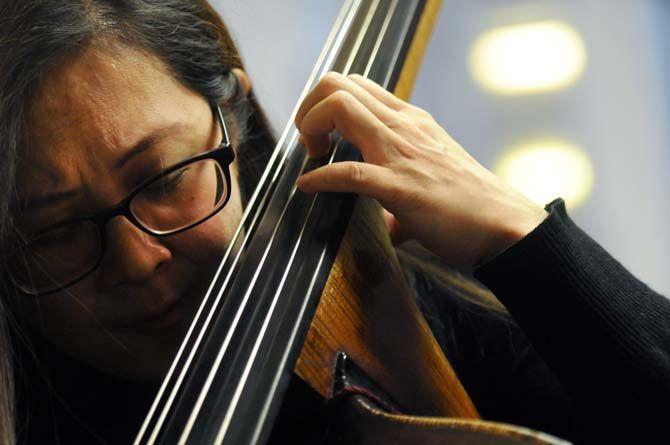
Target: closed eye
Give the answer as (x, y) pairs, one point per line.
(165, 184)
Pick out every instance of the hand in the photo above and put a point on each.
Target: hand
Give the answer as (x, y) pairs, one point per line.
(432, 189)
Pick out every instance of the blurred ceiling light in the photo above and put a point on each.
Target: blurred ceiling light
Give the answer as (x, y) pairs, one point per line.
(528, 58)
(547, 169)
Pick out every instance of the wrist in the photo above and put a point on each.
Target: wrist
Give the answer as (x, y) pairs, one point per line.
(512, 229)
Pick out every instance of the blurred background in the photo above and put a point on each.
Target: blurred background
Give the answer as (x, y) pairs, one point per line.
(563, 98)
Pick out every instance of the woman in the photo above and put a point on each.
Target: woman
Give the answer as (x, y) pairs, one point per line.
(172, 60)
(97, 97)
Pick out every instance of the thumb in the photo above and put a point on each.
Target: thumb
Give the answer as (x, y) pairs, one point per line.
(395, 229)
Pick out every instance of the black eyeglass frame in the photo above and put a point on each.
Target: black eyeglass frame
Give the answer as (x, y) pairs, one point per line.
(223, 154)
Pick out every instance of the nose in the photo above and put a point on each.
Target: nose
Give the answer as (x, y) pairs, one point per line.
(131, 256)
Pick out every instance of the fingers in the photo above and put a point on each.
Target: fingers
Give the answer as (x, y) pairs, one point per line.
(341, 111)
(421, 118)
(318, 145)
(333, 82)
(333, 93)
(379, 92)
(353, 177)
(396, 232)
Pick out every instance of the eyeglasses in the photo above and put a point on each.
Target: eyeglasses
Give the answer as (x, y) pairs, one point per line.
(173, 201)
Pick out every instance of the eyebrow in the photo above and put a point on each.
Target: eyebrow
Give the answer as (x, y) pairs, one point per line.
(145, 144)
(148, 142)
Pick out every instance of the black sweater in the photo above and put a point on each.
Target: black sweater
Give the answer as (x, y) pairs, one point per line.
(603, 333)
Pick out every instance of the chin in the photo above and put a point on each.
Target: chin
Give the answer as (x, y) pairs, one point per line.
(142, 356)
(155, 347)
(149, 363)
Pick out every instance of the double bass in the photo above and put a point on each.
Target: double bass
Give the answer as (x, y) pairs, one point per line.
(310, 285)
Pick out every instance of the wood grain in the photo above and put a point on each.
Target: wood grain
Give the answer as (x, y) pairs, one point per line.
(368, 311)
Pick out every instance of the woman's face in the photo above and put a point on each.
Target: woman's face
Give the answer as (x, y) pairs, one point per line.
(101, 124)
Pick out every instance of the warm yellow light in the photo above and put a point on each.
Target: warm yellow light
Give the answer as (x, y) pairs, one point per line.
(528, 58)
(548, 169)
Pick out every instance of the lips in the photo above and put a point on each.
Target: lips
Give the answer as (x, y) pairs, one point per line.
(164, 316)
(174, 308)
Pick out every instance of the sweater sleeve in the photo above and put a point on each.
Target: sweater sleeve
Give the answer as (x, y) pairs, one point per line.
(604, 334)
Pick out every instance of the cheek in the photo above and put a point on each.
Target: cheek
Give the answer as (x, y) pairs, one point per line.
(51, 319)
(70, 320)
(207, 242)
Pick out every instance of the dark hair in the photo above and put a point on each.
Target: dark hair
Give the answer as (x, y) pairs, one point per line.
(38, 35)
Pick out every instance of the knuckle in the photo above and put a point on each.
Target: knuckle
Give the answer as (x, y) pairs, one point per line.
(330, 81)
(408, 151)
(421, 114)
(400, 122)
(423, 120)
(341, 100)
(426, 115)
(355, 173)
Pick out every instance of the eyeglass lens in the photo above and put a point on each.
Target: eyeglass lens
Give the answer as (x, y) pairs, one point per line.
(180, 198)
(174, 201)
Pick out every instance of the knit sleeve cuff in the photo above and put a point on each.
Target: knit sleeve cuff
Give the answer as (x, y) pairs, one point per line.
(519, 255)
(525, 277)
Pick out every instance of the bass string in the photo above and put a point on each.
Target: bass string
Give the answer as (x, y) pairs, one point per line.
(212, 311)
(271, 168)
(224, 347)
(362, 33)
(359, 39)
(309, 84)
(387, 80)
(206, 324)
(380, 38)
(220, 355)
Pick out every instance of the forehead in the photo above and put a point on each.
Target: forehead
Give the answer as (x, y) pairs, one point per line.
(90, 106)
